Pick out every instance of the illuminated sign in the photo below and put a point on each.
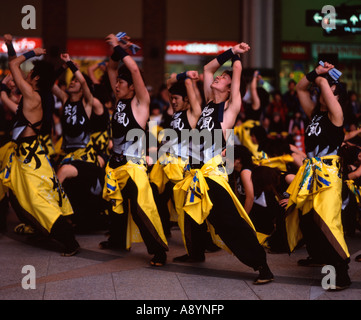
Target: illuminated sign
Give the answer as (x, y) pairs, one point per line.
(295, 51)
(347, 20)
(343, 51)
(22, 44)
(198, 47)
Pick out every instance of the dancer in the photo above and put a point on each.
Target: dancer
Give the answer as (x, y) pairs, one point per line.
(314, 208)
(28, 173)
(126, 173)
(205, 194)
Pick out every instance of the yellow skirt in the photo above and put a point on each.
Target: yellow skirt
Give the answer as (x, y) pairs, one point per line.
(191, 196)
(115, 181)
(30, 176)
(317, 186)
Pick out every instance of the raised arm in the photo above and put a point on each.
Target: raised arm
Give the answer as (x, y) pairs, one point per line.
(88, 97)
(235, 97)
(10, 104)
(14, 65)
(9, 44)
(256, 102)
(140, 89)
(335, 112)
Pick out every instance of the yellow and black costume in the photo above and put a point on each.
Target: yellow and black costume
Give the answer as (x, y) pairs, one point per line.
(37, 196)
(314, 208)
(134, 216)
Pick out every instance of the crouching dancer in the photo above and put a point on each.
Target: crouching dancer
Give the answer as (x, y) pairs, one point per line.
(28, 173)
(126, 178)
(204, 194)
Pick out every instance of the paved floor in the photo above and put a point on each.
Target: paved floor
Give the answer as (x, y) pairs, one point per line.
(96, 274)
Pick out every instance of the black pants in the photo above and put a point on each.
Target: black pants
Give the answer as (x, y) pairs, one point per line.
(317, 245)
(61, 231)
(161, 201)
(118, 222)
(234, 231)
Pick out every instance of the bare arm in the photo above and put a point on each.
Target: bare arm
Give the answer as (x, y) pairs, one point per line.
(10, 104)
(141, 91)
(334, 108)
(88, 97)
(304, 96)
(256, 102)
(14, 65)
(248, 188)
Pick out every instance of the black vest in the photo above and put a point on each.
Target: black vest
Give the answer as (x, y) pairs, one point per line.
(210, 141)
(76, 126)
(322, 137)
(128, 136)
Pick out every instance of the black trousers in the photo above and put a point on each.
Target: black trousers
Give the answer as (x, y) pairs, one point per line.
(161, 201)
(62, 231)
(317, 245)
(118, 222)
(234, 231)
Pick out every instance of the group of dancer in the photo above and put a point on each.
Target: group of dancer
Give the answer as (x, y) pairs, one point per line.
(256, 195)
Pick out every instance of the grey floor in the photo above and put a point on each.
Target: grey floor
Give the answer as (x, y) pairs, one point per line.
(95, 274)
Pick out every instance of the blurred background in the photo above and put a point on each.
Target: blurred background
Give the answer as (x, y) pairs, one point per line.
(286, 36)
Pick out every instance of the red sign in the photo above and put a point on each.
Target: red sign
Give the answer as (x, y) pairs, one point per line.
(22, 44)
(92, 48)
(198, 47)
(295, 51)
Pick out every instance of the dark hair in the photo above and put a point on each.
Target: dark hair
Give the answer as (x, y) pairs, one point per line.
(244, 155)
(265, 178)
(243, 86)
(178, 88)
(125, 74)
(45, 71)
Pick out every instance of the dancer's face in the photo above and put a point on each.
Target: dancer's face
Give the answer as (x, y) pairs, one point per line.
(123, 90)
(222, 82)
(178, 103)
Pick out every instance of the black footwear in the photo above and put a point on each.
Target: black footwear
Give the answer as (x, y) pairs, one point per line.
(111, 245)
(309, 262)
(188, 258)
(159, 259)
(358, 258)
(212, 248)
(342, 283)
(70, 252)
(265, 275)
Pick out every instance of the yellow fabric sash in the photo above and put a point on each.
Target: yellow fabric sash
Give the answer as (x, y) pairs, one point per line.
(115, 181)
(167, 168)
(243, 133)
(5, 152)
(191, 196)
(29, 174)
(355, 189)
(275, 162)
(317, 186)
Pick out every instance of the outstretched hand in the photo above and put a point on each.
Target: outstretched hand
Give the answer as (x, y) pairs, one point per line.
(241, 48)
(8, 38)
(65, 57)
(193, 75)
(39, 51)
(325, 68)
(113, 41)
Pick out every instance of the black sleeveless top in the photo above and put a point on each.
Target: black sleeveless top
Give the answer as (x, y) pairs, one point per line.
(210, 141)
(100, 123)
(21, 123)
(76, 126)
(322, 137)
(179, 143)
(123, 121)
